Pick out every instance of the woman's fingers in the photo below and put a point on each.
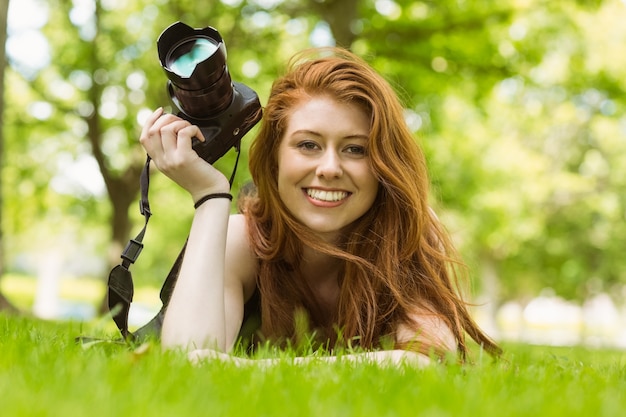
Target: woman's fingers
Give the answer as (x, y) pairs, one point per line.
(168, 140)
(175, 136)
(168, 137)
(147, 137)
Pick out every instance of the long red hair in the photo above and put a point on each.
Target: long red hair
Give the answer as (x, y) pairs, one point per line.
(397, 258)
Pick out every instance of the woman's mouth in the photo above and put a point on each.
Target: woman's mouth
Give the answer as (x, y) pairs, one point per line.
(328, 196)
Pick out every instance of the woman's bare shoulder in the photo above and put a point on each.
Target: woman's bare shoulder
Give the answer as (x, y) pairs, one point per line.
(241, 262)
(432, 330)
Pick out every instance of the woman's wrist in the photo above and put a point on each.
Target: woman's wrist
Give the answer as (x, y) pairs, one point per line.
(200, 193)
(211, 196)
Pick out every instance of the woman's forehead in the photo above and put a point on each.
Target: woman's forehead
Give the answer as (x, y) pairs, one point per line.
(324, 113)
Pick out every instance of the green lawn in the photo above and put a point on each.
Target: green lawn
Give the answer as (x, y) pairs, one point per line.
(43, 372)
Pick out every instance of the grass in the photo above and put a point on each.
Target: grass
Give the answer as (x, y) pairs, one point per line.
(43, 372)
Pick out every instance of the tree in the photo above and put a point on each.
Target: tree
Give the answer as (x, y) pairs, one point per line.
(5, 304)
(108, 70)
(518, 108)
(517, 105)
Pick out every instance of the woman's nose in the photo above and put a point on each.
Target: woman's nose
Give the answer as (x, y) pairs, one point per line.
(329, 165)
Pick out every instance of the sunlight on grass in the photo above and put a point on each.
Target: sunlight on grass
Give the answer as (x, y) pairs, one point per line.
(112, 379)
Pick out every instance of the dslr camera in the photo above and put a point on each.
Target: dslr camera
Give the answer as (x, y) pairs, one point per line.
(202, 91)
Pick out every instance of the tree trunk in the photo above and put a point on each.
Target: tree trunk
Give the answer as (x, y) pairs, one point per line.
(340, 16)
(5, 304)
(487, 300)
(121, 188)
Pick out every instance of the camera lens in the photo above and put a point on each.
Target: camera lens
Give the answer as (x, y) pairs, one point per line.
(195, 63)
(184, 59)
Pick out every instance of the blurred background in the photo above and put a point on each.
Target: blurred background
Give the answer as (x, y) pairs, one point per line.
(519, 105)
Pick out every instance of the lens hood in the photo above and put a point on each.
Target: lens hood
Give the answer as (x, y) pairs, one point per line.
(207, 89)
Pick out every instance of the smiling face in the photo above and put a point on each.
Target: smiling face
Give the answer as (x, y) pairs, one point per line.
(324, 176)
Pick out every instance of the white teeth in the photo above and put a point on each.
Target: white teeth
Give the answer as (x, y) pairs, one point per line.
(326, 195)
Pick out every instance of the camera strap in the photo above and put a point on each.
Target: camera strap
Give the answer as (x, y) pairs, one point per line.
(120, 282)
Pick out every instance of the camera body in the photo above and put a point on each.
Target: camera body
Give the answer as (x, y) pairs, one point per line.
(225, 130)
(202, 91)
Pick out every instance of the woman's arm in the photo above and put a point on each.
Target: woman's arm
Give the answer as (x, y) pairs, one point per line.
(431, 331)
(382, 357)
(196, 314)
(195, 317)
(216, 277)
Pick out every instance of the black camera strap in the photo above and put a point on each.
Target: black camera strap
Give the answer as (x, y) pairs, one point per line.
(120, 283)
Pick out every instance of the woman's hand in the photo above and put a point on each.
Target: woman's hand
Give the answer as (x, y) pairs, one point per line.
(382, 357)
(167, 139)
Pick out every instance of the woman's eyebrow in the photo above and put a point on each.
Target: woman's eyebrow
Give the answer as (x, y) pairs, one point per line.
(305, 132)
(357, 136)
(362, 136)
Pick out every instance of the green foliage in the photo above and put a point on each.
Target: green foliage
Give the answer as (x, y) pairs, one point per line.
(44, 373)
(519, 106)
(509, 98)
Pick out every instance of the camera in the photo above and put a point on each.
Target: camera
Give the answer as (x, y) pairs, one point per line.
(201, 89)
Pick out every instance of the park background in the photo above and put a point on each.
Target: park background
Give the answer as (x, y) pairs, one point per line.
(519, 105)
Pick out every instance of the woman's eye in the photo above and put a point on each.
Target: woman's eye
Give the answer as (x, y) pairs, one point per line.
(356, 150)
(307, 145)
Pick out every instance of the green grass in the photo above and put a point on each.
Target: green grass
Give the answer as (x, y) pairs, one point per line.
(43, 372)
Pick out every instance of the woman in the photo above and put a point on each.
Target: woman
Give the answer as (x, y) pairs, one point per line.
(339, 230)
